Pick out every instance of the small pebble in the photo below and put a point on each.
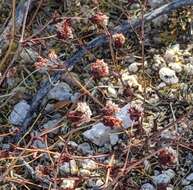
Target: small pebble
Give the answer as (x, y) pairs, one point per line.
(19, 113)
(168, 76)
(147, 186)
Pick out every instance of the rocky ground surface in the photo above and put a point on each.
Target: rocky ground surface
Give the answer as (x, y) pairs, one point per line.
(113, 121)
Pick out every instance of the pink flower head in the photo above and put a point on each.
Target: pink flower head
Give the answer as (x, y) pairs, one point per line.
(119, 40)
(41, 63)
(100, 19)
(64, 29)
(99, 69)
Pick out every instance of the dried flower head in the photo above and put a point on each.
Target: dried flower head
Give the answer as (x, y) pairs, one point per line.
(168, 156)
(110, 108)
(100, 19)
(64, 29)
(119, 40)
(112, 121)
(41, 63)
(99, 69)
(81, 114)
(135, 112)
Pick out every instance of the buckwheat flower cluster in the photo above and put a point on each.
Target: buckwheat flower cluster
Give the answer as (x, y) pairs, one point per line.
(99, 69)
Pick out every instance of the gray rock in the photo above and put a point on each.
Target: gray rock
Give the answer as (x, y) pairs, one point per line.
(19, 113)
(60, 92)
(85, 148)
(124, 116)
(50, 125)
(68, 168)
(38, 143)
(156, 3)
(147, 186)
(164, 178)
(99, 134)
(188, 187)
(189, 177)
(89, 164)
(114, 138)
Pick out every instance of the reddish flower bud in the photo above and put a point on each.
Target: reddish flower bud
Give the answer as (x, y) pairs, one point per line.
(112, 121)
(110, 108)
(41, 63)
(119, 40)
(99, 69)
(100, 19)
(64, 29)
(135, 113)
(168, 156)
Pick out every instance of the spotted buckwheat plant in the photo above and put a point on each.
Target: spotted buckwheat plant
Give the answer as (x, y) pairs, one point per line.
(41, 63)
(99, 69)
(81, 114)
(168, 156)
(135, 112)
(100, 19)
(119, 40)
(64, 30)
(112, 121)
(110, 108)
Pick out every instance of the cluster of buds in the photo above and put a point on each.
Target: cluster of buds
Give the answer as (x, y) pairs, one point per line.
(112, 121)
(41, 63)
(100, 19)
(99, 69)
(135, 112)
(119, 40)
(168, 156)
(109, 117)
(51, 63)
(110, 108)
(81, 114)
(64, 30)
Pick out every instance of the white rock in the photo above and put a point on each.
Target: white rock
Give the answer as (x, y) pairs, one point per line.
(85, 148)
(171, 53)
(161, 85)
(99, 134)
(68, 184)
(188, 68)
(19, 113)
(60, 92)
(89, 164)
(176, 67)
(124, 116)
(68, 168)
(131, 80)
(156, 3)
(164, 178)
(168, 76)
(111, 91)
(147, 186)
(134, 67)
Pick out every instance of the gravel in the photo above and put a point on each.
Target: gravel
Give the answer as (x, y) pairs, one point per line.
(19, 113)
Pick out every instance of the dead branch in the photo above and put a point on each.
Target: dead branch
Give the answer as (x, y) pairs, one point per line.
(126, 28)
